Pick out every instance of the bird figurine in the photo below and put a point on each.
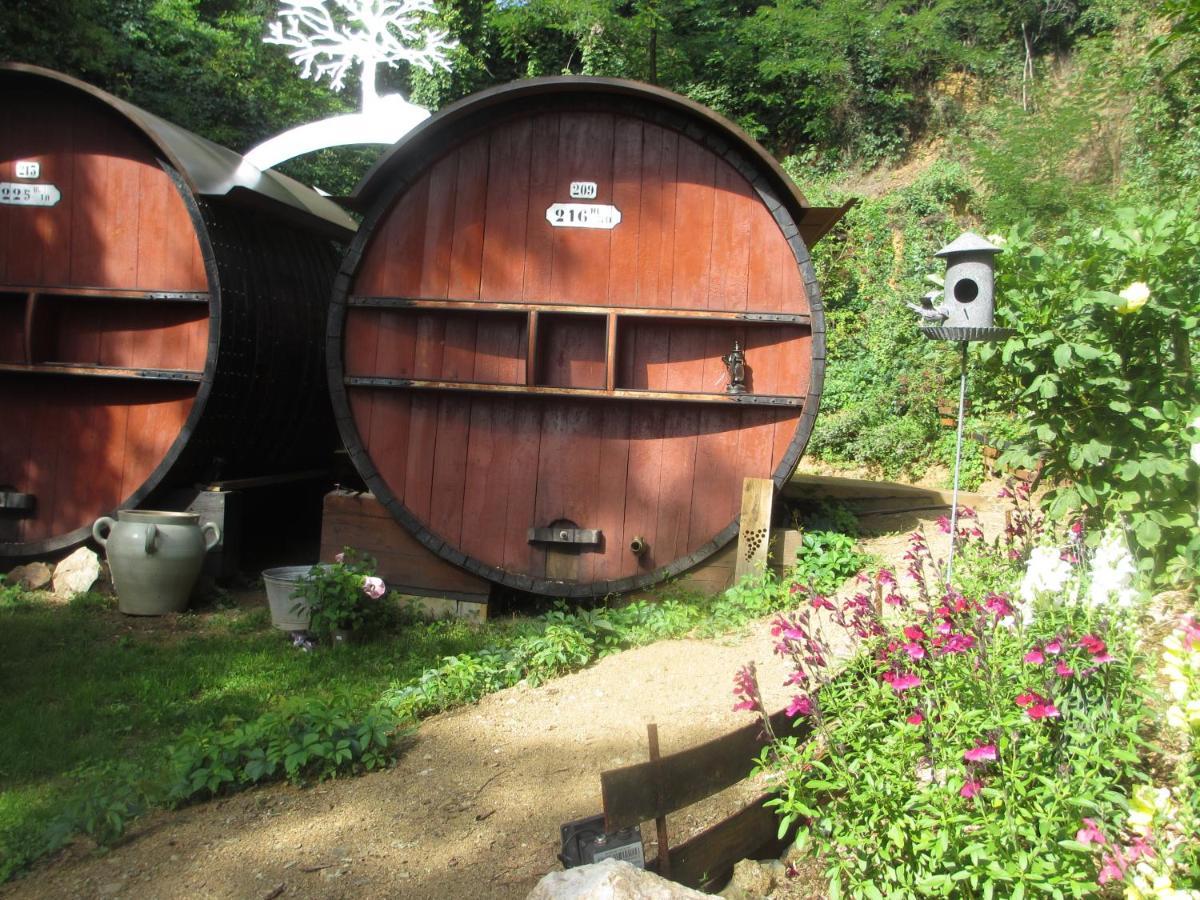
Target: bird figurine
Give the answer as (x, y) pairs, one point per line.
(927, 310)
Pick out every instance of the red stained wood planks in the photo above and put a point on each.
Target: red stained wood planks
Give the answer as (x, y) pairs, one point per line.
(479, 470)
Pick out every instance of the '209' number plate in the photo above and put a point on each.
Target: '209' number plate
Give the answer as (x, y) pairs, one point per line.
(583, 215)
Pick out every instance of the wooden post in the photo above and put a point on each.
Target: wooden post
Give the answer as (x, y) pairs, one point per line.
(755, 532)
(660, 823)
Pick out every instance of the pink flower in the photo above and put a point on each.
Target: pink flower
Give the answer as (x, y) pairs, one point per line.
(958, 643)
(902, 682)
(1054, 647)
(894, 599)
(1111, 869)
(374, 587)
(339, 557)
(1034, 657)
(915, 651)
(981, 753)
(1092, 644)
(885, 576)
(943, 628)
(914, 633)
(1063, 670)
(1024, 700)
(819, 602)
(915, 718)
(1090, 833)
(1043, 710)
(998, 605)
(970, 789)
(800, 704)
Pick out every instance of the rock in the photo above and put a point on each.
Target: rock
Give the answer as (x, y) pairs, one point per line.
(751, 880)
(76, 574)
(609, 880)
(32, 577)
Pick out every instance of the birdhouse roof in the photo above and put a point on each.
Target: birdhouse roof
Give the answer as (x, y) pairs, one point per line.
(967, 242)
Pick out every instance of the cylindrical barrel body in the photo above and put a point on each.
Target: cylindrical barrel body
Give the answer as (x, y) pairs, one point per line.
(151, 335)
(578, 313)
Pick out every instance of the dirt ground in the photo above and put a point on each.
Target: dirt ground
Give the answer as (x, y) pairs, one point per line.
(472, 809)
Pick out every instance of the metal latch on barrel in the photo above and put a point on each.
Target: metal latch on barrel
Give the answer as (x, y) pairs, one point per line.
(564, 535)
(14, 501)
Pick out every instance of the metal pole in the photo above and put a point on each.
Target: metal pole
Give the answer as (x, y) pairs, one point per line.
(962, 403)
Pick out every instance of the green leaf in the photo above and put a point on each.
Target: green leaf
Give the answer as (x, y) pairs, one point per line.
(1062, 355)
(1147, 533)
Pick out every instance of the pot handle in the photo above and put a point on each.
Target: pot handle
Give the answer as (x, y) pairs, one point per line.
(105, 524)
(216, 535)
(151, 534)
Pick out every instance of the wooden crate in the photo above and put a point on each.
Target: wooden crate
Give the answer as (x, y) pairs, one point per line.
(358, 520)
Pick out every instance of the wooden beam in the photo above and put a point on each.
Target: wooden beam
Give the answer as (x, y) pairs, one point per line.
(754, 535)
(632, 795)
(701, 315)
(531, 350)
(531, 390)
(182, 375)
(610, 353)
(707, 860)
(104, 293)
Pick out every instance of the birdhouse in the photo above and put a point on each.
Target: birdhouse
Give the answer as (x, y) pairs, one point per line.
(970, 282)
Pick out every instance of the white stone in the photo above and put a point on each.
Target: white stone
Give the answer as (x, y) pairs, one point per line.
(76, 574)
(32, 577)
(609, 880)
(751, 880)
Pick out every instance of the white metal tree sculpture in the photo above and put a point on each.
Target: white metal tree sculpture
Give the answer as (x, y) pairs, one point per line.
(366, 31)
(328, 37)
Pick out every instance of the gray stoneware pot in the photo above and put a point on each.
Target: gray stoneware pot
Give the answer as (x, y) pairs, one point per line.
(155, 557)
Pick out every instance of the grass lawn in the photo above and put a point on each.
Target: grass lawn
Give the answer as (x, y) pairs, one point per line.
(84, 687)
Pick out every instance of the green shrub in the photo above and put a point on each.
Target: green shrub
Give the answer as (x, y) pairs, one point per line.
(1108, 382)
(825, 560)
(306, 739)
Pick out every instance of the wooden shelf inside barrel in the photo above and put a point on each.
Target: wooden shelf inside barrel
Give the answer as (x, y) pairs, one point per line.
(76, 370)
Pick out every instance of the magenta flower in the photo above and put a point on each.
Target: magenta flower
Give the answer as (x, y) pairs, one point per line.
(801, 705)
(1062, 670)
(745, 686)
(915, 651)
(915, 718)
(894, 599)
(958, 643)
(1024, 700)
(1054, 647)
(1090, 833)
(998, 605)
(981, 753)
(374, 587)
(914, 633)
(1034, 657)
(970, 789)
(902, 682)
(1043, 710)
(885, 576)
(819, 602)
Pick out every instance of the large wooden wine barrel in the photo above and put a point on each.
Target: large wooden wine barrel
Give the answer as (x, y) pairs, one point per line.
(162, 311)
(527, 335)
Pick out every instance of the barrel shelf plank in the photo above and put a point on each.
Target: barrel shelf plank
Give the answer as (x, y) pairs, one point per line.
(76, 370)
(594, 393)
(94, 293)
(698, 315)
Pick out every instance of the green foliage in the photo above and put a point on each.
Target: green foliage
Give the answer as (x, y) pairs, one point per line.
(336, 594)
(825, 560)
(937, 766)
(879, 402)
(305, 739)
(1108, 387)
